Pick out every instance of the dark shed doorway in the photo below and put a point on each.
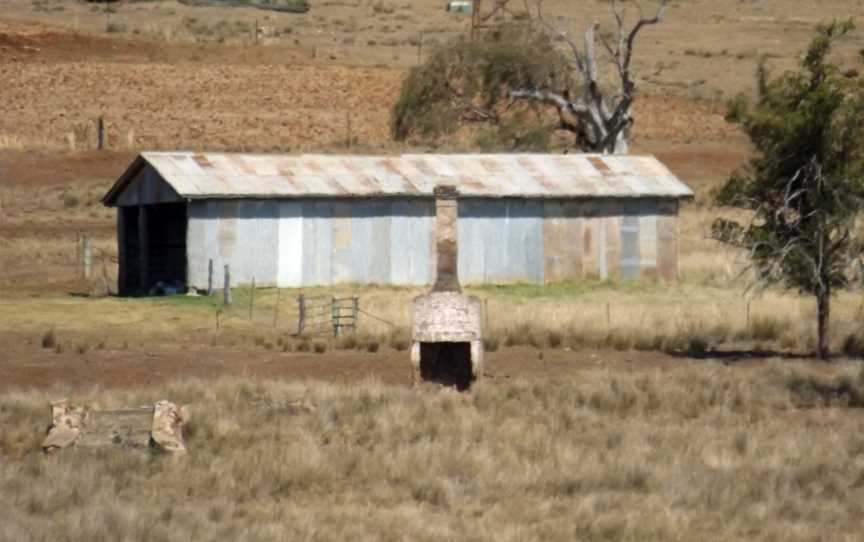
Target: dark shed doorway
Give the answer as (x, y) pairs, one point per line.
(154, 248)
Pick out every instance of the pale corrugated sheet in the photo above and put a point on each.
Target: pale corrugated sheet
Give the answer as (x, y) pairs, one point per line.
(220, 175)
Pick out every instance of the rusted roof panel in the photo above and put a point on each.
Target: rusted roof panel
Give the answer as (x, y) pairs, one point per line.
(224, 175)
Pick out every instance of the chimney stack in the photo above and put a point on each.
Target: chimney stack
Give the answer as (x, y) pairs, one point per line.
(446, 218)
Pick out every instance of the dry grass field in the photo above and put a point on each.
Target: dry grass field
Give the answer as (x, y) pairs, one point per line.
(609, 411)
(699, 452)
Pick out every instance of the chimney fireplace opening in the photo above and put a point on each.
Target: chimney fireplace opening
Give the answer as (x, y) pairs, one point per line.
(447, 363)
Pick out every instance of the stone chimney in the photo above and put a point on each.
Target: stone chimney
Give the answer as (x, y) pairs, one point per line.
(446, 331)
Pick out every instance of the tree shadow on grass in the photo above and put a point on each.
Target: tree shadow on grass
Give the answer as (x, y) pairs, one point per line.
(730, 357)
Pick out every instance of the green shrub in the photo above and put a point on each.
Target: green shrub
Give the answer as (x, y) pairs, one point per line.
(482, 71)
(736, 108)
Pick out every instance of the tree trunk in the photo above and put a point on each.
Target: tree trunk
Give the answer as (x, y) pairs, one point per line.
(621, 146)
(823, 307)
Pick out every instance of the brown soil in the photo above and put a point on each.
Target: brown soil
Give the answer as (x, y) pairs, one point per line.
(33, 366)
(38, 43)
(58, 168)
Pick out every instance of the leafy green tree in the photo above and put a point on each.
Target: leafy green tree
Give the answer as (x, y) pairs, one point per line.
(535, 64)
(465, 81)
(805, 187)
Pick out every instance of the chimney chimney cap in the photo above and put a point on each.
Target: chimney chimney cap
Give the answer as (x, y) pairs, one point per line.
(445, 191)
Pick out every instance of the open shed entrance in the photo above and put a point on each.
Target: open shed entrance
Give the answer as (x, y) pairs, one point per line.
(447, 363)
(154, 244)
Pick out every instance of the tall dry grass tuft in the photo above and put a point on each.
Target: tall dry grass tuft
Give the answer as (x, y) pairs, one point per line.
(399, 339)
(49, 339)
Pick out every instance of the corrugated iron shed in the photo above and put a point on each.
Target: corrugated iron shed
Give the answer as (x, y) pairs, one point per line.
(225, 175)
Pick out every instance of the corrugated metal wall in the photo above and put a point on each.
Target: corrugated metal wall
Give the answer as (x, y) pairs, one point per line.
(312, 242)
(391, 241)
(500, 241)
(513, 240)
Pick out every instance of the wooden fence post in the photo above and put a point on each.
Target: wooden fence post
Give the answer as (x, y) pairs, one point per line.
(486, 316)
(301, 322)
(252, 298)
(355, 309)
(79, 257)
(100, 133)
(276, 310)
(87, 258)
(226, 293)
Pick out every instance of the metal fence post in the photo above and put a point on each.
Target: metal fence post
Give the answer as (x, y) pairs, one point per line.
(210, 278)
(226, 294)
(334, 311)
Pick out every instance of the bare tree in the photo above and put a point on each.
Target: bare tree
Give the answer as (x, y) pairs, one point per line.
(600, 121)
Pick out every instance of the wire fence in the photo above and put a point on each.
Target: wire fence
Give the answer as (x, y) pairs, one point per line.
(326, 314)
(301, 315)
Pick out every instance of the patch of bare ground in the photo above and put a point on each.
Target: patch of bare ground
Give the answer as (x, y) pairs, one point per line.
(122, 362)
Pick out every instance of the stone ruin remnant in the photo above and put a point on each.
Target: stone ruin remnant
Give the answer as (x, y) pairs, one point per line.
(65, 428)
(156, 427)
(447, 326)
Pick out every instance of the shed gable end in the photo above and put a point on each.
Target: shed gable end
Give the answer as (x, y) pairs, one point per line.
(146, 187)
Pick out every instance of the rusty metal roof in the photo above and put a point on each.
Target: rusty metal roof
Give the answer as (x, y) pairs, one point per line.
(223, 175)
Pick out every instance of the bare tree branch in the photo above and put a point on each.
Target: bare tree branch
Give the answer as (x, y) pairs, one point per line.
(631, 38)
(606, 118)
